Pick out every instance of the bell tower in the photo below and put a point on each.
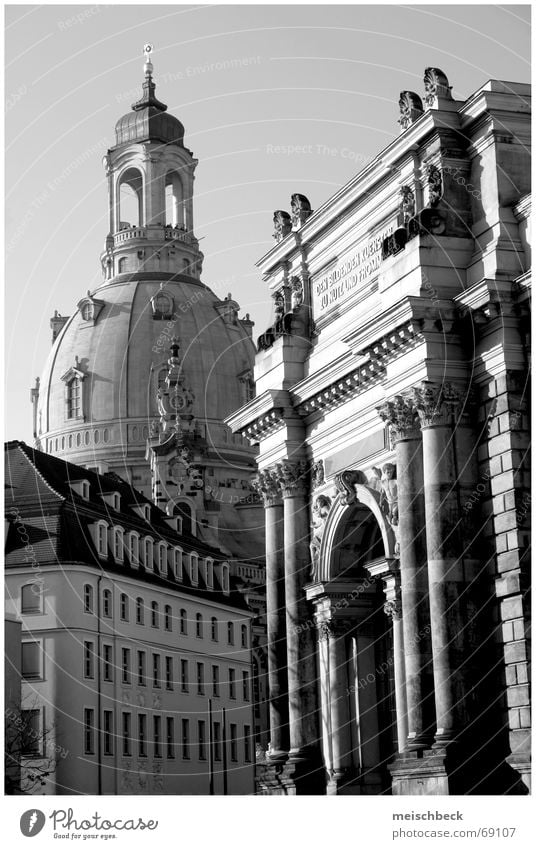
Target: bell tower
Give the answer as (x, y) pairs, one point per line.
(150, 189)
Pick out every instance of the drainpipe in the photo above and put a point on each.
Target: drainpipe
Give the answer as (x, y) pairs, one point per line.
(99, 695)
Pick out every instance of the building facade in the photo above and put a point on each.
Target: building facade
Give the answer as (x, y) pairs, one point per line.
(391, 415)
(135, 643)
(103, 391)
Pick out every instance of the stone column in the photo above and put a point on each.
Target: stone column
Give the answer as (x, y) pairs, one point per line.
(402, 416)
(438, 406)
(268, 488)
(304, 756)
(393, 609)
(335, 685)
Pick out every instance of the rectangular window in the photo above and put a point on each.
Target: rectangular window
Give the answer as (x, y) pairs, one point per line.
(245, 686)
(157, 736)
(170, 737)
(215, 680)
(89, 731)
(88, 660)
(201, 739)
(142, 735)
(156, 670)
(232, 684)
(169, 673)
(107, 663)
(108, 728)
(247, 743)
(200, 679)
(185, 739)
(234, 744)
(125, 665)
(88, 599)
(31, 599)
(217, 741)
(184, 676)
(127, 735)
(141, 669)
(31, 660)
(123, 607)
(32, 737)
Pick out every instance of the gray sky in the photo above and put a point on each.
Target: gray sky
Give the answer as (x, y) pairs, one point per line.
(245, 81)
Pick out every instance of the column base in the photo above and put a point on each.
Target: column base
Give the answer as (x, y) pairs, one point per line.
(422, 773)
(268, 779)
(304, 774)
(453, 770)
(350, 782)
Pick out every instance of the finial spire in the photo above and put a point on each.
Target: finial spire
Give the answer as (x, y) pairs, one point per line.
(149, 97)
(148, 65)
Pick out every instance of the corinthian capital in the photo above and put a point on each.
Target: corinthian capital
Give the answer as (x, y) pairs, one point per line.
(402, 417)
(265, 483)
(437, 403)
(292, 476)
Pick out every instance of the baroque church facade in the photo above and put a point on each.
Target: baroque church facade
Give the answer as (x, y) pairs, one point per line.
(391, 419)
(145, 669)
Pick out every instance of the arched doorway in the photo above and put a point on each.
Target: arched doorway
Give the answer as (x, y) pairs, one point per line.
(356, 658)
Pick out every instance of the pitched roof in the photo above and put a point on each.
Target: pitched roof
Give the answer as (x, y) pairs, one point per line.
(49, 522)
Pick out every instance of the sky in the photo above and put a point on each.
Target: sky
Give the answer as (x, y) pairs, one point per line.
(275, 100)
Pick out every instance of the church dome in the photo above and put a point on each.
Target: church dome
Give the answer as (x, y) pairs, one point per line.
(148, 120)
(116, 347)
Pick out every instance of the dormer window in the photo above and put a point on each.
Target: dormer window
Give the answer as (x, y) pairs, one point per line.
(74, 391)
(162, 558)
(101, 538)
(74, 398)
(143, 511)
(112, 499)
(225, 578)
(162, 305)
(81, 488)
(177, 563)
(148, 553)
(194, 568)
(90, 308)
(210, 573)
(117, 544)
(134, 548)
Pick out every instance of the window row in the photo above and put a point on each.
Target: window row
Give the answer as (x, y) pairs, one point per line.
(151, 613)
(147, 669)
(156, 735)
(159, 557)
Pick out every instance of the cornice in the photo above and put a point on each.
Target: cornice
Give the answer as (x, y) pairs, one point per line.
(365, 181)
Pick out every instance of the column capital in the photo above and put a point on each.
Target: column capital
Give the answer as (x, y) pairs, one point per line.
(265, 483)
(402, 416)
(292, 477)
(438, 403)
(393, 608)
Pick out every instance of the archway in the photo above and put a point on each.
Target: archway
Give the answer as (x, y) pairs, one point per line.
(130, 196)
(355, 646)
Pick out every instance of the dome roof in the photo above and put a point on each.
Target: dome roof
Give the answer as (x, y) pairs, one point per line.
(149, 120)
(121, 349)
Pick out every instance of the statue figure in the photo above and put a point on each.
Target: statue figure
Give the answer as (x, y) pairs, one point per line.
(407, 204)
(411, 108)
(301, 210)
(435, 184)
(282, 224)
(321, 508)
(389, 494)
(296, 296)
(279, 302)
(375, 479)
(317, 474)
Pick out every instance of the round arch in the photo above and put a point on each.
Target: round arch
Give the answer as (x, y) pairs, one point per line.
(131, 203)
(339, 515)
